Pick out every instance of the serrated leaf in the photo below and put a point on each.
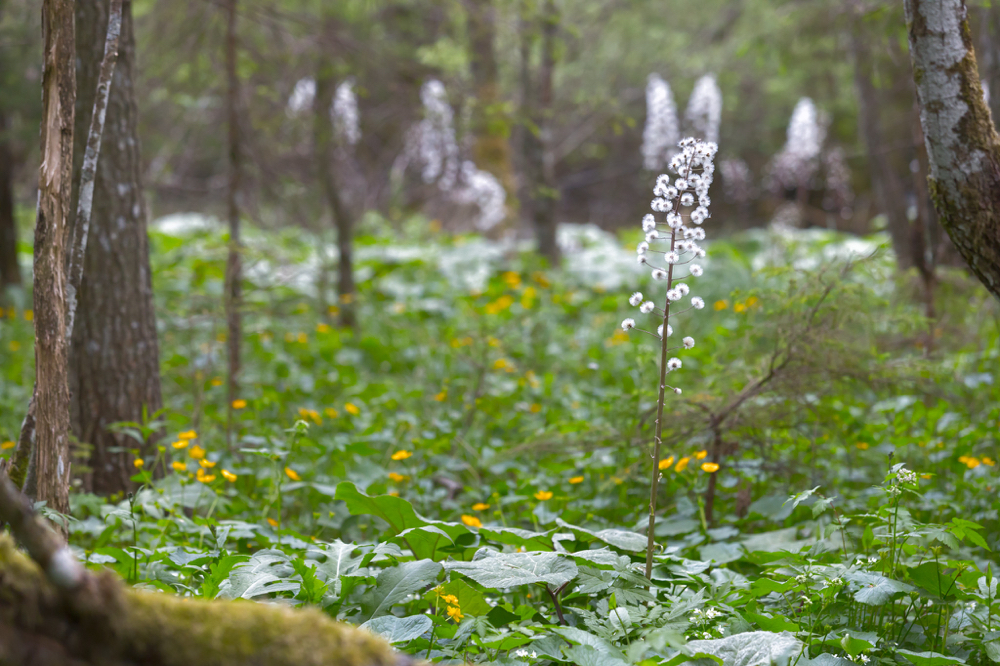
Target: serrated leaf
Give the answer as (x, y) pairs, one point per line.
(502, 570)
(394, 584)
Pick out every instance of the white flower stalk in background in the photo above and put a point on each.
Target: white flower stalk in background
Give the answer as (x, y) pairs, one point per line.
(798, 161)
(344, 115)
(302, 96)
(839, 194)
(484, 190)
(671, 250)
(704, 109)
(435, 142)
(659, 138)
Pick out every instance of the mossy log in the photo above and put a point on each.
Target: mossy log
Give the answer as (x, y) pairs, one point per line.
(110, 624)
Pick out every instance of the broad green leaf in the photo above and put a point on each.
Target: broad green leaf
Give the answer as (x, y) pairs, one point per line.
(755, 648)
(399, 629)
(875, 589)
(775, 623)
(424, 542)
(931, 577)
(396, 511)
(470, 600)
(393, 585)
(502, 570)
(513, 536)
(622, 539)
(929, 658)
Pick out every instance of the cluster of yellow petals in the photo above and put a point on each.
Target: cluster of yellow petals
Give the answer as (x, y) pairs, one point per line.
(203, 476)
(228, 476)
(471, 521)
(397, 478)
(138, 463)
(206, 463)
(401, 455)
(179, 466)
(239, 404)
(480, 506)
(352, 409)
(442, 396)
(292, 474)
(575, 480)
(862, 445)
(972, 462)
(543, 495)
(196, 452)
(710, 467)
(310, 414)
(7, 445)
(455, 613)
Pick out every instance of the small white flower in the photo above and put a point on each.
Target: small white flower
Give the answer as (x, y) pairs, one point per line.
(700, 253)
(698, 215)
(662, 183)
(864, 659)
(652, 235)
(659, 330)
(659, 274)
(687, 199)
(688, 342)
(675, 221)
(648, 222)
(672, 257)
(683, 289)
(674, 364)
(641, 247)
(534, 655)
(635, 299)
(704, 200)
(671, 193)
(628, 324)
(647, 307)
(697, 302)
(681, 184)
(711, 613)
(660, 205)
(696, 270)
(674, 295)
(641, 258)
(677, 391)
(698, 234)
(872, 560)
(520, 653)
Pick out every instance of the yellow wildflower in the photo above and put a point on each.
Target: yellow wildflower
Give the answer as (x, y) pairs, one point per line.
(721, 305)
(14, 345)
(543, 495)
(331, 412)
(480, 506)
(401, 455)
(440, 397)
(710, 467)
(181, 444)
(239, 404)
(455, 613)
(196, 452)
(207, 464)
(216, 382)
(272, 522)
(187, 435)
(926, 476)
(322, 328)
(512, 279)
(500, 364)
(972, 463)
(862, 445)
(665, 464)
(179, 466)
(29, 315)
(352, 409)
(752, 301)
(292, 474)
(138, 462)
(576, 479)
(302, 338)
(471, 521)
(397, 478)
(347, 299)
(682, 464)
(7, 445)
(491, 341)
(739, 307)
(228, 476)
(701, 454)
(988, 461)
(535, 408)
(333, 310)
(206, 478)
(450, 599)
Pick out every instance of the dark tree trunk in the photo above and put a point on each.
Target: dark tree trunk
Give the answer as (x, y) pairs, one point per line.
(10, 273)
(234, 271)
(538, 167)
(963, 148)
(51, 461)
(491, 148)
(114, 372)
(326, 171)
(886, 184)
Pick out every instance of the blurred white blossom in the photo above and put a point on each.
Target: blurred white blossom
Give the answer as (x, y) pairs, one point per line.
(660, 136)
(344, 115)
(704, 109)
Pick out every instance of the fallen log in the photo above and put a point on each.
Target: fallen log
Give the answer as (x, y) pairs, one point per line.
(54, 612)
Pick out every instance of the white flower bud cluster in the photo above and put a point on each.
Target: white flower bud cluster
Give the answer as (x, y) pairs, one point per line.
(704, 109)
(684, 204)
(798, 161)
(344, 114)
(662, 130)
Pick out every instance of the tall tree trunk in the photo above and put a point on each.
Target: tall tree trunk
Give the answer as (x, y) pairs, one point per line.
(234, 272)
(115, 355)
(962, 145)
(10, 273)
(887, 186)
(55, 179)
(326, 171)
(539, 170)
(491, 147)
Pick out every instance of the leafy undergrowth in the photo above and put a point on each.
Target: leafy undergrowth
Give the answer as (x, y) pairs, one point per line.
(467, 475)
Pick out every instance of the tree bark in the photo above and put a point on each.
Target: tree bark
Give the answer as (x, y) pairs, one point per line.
(10, 272)
(962, 145)
(52, 404)
(988, 49)
(234, 271)
(538, 167)
(326, 171)
(491, 146)
(886, 184)
(114, 371)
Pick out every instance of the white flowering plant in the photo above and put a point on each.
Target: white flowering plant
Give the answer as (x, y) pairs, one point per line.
(671, 249)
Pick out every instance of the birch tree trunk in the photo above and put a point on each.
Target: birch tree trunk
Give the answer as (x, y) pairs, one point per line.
(962, 145)
(55, 179)
(114, 364)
